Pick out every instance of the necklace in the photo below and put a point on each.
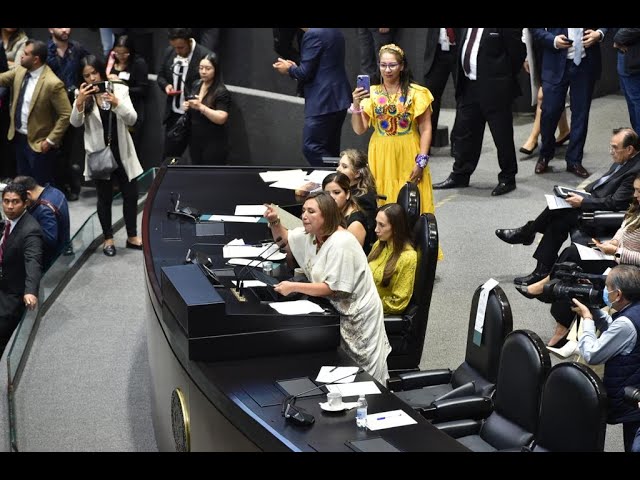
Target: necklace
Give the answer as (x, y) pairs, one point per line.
(391, 96)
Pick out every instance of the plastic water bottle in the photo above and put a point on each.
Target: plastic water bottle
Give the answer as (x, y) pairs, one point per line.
(361, 412)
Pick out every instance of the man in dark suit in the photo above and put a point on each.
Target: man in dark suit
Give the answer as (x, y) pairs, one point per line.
(570, 60)
(40, 112)
(21, 261)
(326, 88)
(440, 55)
(489, 62)
(613, 191)
(178, 72)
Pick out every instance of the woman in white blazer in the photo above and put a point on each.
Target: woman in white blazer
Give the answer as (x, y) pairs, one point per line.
(92, 109)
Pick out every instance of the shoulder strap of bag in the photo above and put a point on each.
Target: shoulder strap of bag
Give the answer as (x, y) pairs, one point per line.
(47, 203)
(109, 129)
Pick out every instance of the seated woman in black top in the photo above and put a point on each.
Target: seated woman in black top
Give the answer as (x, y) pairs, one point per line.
(208, 107)
(337, 185)
(353, 163)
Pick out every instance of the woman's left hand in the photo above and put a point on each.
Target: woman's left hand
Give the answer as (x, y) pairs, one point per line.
(416, 174)
(111, 98)
(285, 288)
(607, 248)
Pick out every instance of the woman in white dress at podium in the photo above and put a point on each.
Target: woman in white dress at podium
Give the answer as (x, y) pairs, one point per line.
(337, 268)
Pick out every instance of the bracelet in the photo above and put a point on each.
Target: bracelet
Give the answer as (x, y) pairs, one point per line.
(275, 222)
(422, 159)
(352, 110)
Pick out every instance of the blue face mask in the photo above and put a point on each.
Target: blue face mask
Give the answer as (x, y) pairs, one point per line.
(605, 297)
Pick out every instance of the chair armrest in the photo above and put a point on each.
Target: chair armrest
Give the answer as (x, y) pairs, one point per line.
(413, 380)
(460, 428)
(471, 407)
(396, 324)
(464, 390)
(602, 219)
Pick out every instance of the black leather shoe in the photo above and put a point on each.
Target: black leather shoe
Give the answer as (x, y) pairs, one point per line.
(533, 277)
(526, 151)
(524, 290)
(134, 246)
(450, 183)
(542, 164)
(109, 250)
(523, 235)
(578, 169)
(503, 188)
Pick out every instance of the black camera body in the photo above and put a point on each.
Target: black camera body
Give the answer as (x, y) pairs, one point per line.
(632, 395)
(569, 281)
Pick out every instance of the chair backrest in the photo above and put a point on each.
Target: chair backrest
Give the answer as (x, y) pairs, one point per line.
(573, 411)
(481, 361)
(407, 340)
(409, 199)
(524, 365)
(602, 224)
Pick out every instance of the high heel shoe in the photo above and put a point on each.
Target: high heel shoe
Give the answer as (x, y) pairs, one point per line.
(563, 140)
(524, 290)
(526, 151)
(569, 348)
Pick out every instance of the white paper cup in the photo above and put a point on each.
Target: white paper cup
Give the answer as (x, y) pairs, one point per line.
(334, 399)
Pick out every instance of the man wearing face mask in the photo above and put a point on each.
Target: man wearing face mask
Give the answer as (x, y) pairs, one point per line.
(617, 347)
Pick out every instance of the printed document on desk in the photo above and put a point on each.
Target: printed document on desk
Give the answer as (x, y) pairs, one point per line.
(588, 253)
(250, 210)
(229, 219)
(556, 203)
(331, 374)
(390, 419)
(354, 389)
(317, 176)
(276, 175)
(296, 307)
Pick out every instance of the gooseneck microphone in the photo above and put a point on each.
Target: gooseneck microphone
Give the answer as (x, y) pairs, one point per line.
(245, 269)
(300, 416)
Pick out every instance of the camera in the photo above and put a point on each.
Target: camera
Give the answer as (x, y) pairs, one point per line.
(632, 395)
(569, 281)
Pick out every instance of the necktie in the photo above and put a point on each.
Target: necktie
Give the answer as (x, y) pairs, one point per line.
(452, 36)
(605, 178)
(3, 243)
(466, 64)
(20, 101)
(577, 43)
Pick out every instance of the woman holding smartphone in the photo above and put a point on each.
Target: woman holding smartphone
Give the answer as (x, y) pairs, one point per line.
(400, 113)
(97, 111)
(208, 109)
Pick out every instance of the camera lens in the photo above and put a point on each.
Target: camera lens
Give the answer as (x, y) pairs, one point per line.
(632, 394)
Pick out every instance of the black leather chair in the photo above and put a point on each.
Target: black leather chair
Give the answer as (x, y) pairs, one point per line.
(524, 365)
(409, 199)
(573, 411)
(601, 224)
(406, 332)
(476, 376)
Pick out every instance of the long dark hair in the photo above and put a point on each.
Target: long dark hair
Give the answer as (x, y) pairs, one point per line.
(400, 239)
(343, 182)
(99, 65)
(217, 86)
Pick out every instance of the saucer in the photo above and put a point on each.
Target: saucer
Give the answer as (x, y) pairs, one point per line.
(332, 408)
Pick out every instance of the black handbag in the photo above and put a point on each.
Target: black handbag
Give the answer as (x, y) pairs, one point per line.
(178, 134)
(101, 163)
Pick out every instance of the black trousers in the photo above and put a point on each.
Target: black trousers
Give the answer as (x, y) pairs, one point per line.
(472, 114)
(561, 309)
(129, 191)
(444, 64)
(555, 225)
(11, 309)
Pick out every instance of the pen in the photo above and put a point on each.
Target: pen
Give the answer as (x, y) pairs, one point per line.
(334, 368)
(388, 416)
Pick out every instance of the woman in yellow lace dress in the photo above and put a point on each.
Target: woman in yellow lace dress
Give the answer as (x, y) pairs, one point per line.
(400, 113)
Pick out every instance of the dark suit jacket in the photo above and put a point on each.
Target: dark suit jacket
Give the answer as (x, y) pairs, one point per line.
(616, 193)
(554, 60)
(49, 111)
(165, 75)
(431, 45)
(500, 57)
(21, 265)
(630, 38)
(322, 71)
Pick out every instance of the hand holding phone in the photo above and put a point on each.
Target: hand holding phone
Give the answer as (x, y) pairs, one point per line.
(363, 81)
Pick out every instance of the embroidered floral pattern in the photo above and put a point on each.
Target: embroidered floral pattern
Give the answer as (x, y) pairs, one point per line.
(392, 112)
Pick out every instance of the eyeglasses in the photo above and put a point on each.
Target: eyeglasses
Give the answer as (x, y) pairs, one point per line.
(392, 66)
(122, 54)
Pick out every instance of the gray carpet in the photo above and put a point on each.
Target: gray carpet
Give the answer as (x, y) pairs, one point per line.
(86, 385)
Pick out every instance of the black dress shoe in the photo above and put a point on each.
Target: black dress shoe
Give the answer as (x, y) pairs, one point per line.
(109, 250)
(526, 151)
(450, 183)
(134, 246)
(578, 169)
(523, 235)
(524, 290)
(533, 277)
(503, 188)
(542, 164)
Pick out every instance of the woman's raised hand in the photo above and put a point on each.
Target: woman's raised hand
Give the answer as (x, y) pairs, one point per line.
(270, 214)
(358, 94)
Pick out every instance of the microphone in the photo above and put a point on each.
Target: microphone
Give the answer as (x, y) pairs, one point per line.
(243, 270)
(206, 244)
(186, 212)
(298, 415)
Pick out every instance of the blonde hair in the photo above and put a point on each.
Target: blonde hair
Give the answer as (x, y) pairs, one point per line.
(360, 165)
(392, 47)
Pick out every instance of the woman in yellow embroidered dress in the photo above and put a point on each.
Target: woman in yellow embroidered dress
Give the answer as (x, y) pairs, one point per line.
(400, 113)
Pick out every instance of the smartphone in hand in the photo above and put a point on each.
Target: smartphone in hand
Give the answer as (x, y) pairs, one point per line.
(363, 81)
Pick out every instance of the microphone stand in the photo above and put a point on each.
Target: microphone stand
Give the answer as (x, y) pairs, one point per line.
(243, 270)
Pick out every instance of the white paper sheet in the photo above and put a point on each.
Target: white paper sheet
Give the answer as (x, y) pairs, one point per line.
(229, 219)
(250, 209)
(243, 251)
(250, 283)
(296, 307)
(555, 203)
(355, 388)
(332, 374)
(317, 176)
(390, 419)
(588, 253)
(275, 175)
